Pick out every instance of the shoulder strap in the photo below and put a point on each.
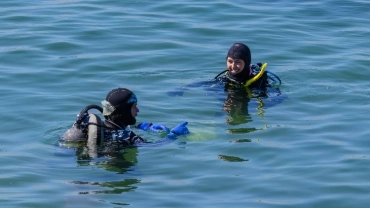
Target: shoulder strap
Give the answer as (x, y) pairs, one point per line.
(95, 134)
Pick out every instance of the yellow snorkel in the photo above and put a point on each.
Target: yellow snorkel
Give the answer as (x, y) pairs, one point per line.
(255, 78)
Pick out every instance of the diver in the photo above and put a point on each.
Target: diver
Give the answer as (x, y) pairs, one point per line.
(242, 85)
(240, 74)
(119, 110)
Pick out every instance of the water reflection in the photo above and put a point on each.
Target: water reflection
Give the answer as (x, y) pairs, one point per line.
(117, 187)
(228, 158)
(113, 158)
(237, 105)
(238, 102)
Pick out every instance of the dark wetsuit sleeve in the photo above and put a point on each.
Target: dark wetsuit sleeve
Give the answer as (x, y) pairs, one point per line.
(179, 91)
(123, 137)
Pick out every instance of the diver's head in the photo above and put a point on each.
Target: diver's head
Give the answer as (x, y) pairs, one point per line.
(120, 107)
(238, 60)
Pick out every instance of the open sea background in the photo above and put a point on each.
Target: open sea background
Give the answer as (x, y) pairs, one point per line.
(311, 150)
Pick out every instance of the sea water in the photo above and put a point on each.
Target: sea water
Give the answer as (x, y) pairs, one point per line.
(310, 150)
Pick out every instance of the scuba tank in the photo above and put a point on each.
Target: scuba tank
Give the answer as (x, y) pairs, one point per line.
(88, 128)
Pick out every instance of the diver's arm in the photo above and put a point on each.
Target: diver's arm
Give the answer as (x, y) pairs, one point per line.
(179, 91)
(125, 137)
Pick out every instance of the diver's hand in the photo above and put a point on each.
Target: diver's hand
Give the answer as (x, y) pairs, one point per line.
(159, 127)
(180, 129)
(176, 92)
(144, 126)
(134, 139)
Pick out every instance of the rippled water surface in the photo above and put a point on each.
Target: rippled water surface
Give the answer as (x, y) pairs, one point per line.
(310, 150)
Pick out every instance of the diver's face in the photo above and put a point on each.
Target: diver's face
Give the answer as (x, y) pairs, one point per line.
(134, 110)
(235, 66)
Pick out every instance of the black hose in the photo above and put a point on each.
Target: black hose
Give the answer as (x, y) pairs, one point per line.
(220, 73)
(84, 111)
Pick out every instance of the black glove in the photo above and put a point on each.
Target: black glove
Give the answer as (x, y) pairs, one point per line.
(133, 139)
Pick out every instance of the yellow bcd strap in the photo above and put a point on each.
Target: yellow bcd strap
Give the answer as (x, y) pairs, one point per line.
(255, 78)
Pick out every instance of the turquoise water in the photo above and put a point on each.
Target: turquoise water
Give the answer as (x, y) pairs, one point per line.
(311, 150)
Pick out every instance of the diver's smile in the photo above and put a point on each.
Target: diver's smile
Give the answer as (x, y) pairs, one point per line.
(235, 66)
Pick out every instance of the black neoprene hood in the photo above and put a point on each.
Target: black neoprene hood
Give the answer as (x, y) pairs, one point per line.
(241, 51)
(122, 99)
